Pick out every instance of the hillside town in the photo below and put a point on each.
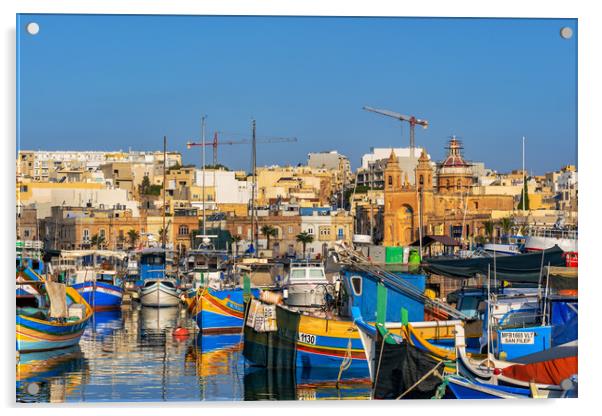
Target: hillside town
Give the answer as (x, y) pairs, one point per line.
(74, 200)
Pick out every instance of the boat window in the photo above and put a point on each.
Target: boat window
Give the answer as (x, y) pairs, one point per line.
(356, 284)
(149, 283)
(168, 284)
(316, 273)
(298, 274)
(469, 305)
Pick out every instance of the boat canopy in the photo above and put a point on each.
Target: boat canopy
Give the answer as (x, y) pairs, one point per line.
(522, 268)
(83, 253)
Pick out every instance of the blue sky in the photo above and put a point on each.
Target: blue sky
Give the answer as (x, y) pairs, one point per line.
(89, 82)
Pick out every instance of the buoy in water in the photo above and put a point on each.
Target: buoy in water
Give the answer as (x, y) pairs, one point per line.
(180, 333)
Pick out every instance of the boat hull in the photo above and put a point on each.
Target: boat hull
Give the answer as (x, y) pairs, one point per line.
(37, 335)
(315, 343)
(464, 389)
(221, 311)
(159, 295)
(100, 296)
(536, 243)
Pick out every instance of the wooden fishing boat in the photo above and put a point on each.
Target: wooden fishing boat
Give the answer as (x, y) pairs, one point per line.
(94, 274)
(41, 325)
(310, 335)
(220, 311)
(104, 292)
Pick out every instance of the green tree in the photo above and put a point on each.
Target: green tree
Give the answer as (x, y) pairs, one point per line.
(235, 240)
(507, 224)
(133, 237)
(304, 238)
(98, 241)
(163, 232)
(489, 227)
(524, 198)
(144, 186)
(269, 232)
(217, 166)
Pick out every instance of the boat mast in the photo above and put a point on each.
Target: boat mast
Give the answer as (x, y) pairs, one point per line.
(164, 187)
(523, 204)
(203, 163)
(254, 184)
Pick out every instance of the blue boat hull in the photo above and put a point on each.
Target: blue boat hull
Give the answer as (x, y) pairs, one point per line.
(464, 389)
(100, 296)
(214, 317)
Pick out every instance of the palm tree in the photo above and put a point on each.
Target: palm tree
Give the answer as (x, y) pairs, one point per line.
(507, 224)
(161, 232)
(269, 231)
(236, 239)
(98, 241)
(489, 226)
(133, 237)
(304, 238)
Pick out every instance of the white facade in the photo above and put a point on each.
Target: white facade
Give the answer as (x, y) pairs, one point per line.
(381, 153)
(45, 198)
(228, 189)
(566, 181)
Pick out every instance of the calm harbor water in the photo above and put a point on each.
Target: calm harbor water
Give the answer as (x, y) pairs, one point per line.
(131, 355)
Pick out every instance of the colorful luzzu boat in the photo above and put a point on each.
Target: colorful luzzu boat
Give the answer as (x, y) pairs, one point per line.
(280, 336)
(220, 311)
(36, 327)
(103, 293)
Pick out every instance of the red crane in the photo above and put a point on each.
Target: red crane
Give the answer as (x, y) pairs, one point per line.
(216, 142)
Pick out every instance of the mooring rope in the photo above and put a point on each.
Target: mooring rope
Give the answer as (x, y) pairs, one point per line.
(424, 377)
(346, 363)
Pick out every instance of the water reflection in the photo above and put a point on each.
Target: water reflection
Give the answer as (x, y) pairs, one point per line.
(132, 355)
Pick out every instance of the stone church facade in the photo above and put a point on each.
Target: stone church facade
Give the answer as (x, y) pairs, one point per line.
(448, 208)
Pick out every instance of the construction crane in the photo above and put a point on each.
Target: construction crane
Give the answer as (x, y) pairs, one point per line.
(253, 142)
(410, 119)
(216, 142)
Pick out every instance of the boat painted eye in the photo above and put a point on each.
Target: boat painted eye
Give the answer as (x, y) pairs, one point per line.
(356, 284)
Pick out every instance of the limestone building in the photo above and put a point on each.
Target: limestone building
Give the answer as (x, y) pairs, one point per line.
(448, 208)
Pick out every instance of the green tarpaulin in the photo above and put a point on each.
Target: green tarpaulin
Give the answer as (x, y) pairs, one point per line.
(525, 268)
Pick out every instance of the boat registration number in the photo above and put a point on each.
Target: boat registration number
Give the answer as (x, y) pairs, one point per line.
(306, 338)
(305, 394)
(518, 337)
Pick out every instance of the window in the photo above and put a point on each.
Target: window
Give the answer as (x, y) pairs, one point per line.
(324, 231)
(183, 230)
(290, 229)
(310, 231)
(313, 273)
(298, 274)
(26, 233)
(341, 234)
(421, 180)
(102, 232)
(356, 285)
(390, 180)
(239, 230)
(86, 234)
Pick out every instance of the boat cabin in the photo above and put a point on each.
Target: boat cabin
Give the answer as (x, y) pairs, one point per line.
(152, 264)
